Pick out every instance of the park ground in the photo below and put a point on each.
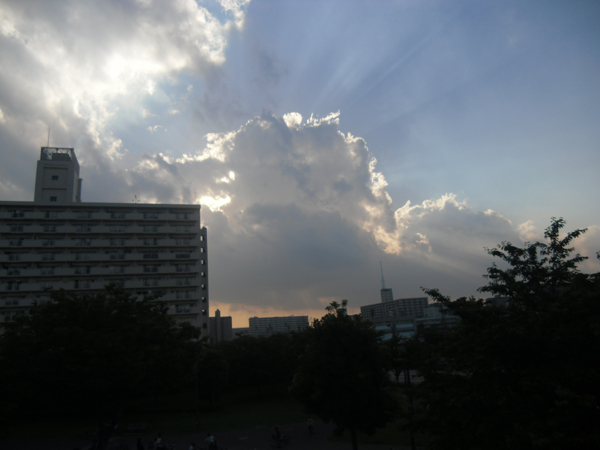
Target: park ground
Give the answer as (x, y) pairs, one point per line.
(243, 421)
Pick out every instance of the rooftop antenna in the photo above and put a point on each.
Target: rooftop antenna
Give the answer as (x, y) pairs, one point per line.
(382, 279)
(48, 144)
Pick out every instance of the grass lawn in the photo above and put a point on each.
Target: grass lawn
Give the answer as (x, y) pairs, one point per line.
(176, 415)
(395, 433)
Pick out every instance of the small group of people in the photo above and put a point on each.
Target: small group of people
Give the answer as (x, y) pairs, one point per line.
(156, 444)
(210, 443)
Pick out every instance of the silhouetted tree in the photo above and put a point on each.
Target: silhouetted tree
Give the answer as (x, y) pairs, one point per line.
(341, 376)
(522, 376)
(92, 353)
(213, 373)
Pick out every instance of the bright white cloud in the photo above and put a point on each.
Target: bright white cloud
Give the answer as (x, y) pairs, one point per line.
(314, 173)
(527, 231)
(99, 59)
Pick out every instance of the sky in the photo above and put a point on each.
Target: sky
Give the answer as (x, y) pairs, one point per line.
(320, 137)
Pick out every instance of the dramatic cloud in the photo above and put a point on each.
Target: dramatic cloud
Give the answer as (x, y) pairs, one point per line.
(298, 213)
(76, 66)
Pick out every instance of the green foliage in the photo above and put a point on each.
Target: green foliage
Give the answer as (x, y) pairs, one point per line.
(91, 354)
(522, 376)
(213, 371)
(341, 376)
(538, 268)
(263, 361)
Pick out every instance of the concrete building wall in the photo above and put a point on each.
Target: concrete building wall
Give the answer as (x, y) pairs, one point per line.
(413, 307)
(387, 295)
(220, 328)
(266, 326)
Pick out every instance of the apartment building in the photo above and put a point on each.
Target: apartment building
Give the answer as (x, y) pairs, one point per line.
(413, 307)
(221, 328)
(266, 326)
(57, 241)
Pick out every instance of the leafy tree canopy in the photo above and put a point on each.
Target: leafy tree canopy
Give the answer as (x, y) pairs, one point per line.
(522, 376)
(91, 353)
(341, 375)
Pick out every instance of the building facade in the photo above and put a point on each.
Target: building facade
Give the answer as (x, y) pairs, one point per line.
(413, 307)
(59, 242)
(266, 326)
(220, 328)
(387, 295)
(437, 316)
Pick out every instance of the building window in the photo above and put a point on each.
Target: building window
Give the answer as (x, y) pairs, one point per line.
(83, 215)
(16, 242)
(82, 270)
(17, 214)
(117, 255)
(150, 255)
(51, 214)
(83, 229)
(151, 269)
(152, 229)
(54, 177)
(150, 282)
(150, 241)
(14, 256)
(82, 284)
(182, 309)
(153, 215)
(117, 242)
(16, 228)
(53, 198)
(49, 228)
(117, 215)
(83, 242)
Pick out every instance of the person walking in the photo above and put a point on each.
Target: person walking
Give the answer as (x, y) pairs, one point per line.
(210, 442)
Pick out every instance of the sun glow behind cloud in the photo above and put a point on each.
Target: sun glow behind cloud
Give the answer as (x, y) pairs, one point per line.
(108, 58)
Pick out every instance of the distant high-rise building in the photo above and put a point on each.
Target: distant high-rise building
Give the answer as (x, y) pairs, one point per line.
(59, 242)
(386, 294)
(220, 328)
(266, 326)
(409, 307)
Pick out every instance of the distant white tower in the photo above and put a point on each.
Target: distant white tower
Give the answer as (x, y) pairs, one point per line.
(386, 294)
(57, 176)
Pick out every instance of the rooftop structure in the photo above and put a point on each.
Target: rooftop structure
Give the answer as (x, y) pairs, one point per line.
(386, 294)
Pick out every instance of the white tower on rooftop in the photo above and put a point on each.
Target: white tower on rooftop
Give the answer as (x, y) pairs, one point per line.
(386, 294)
(57, 177)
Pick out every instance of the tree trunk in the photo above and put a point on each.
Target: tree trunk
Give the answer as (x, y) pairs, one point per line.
(353, 438)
